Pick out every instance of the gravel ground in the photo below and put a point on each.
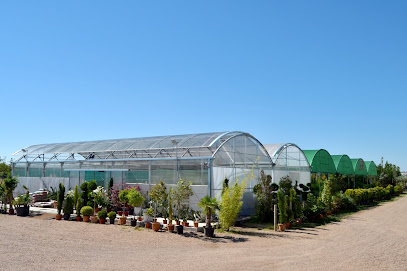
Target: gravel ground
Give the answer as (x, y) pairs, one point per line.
(373, 239)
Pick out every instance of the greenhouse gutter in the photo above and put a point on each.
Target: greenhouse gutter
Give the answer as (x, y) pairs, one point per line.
(118, 160)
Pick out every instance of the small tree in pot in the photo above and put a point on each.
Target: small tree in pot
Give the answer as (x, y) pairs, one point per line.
(208, 206)
(282, 207)
(102, 214)
(159, 197)
(181, 194)
(134, 199)
(112, 216)
(123, 199)
(9, 185)
(79, 205)
(86, 212)
(68, 208)
(61, 197)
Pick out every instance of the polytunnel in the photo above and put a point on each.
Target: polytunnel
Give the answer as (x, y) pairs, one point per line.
(320, 161)
(343, 164)
(371, 168)
(289, 160)
(205, 159)
(359, 167)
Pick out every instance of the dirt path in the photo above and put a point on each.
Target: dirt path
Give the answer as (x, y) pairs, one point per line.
(372, 239)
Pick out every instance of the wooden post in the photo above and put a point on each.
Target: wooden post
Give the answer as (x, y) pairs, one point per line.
(275, 217)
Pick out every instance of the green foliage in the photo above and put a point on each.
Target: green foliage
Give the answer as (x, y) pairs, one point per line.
(9, 184)
(208, 206)
(326, 195)
(181, 194)
(92, 185)
(100, 196)
(87, 211)
(111, 215)
(285, 185)
(84, 193)
(150, 212)
(23, 199)
(225, 184)
(295, 205)
(68, 208)
(265, 198)
(5, 170)
(159, 195)
(170, 204)
(342, 202)
(123, 196)
(134, 197)
(102, 214)
(231, 202)
(75, 196)
(79, 205)
(61, 197)
(387, 173)
(282, 206)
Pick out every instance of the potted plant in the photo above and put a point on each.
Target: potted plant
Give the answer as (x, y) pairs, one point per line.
(68, 208)
(134, 199)
(86, 212)
(112, 216)
(79, 205)
(61, 197)
(10, 183)
(208, 206)
(123, 200)
(198, 217)
(22, 204)
(140, 215)
(181, 194)
(102, 216)
(159, 196)
(149, 213)
(100, 198)
(282, 204)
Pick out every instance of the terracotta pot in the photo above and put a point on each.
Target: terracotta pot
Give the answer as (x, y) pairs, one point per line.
(185, 224)
(55, 204)
(120, 213)
(102, 220)
(58, 217)
(165, 221)
(97, 210)
(177, 222)
(140, 218)
(281, 227)
(287, 225)
(170, 221)
(126, 213)
(86, 218)
(122, 220)
(94, 219)
(156, 226)
(78, 218)
(171, 227)
(148, 225)
(11, 212)
(196, 224)
(154, 219)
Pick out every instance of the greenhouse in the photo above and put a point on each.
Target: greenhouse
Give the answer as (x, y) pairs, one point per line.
(371, 168)
(320, 161)
(343, 164)
(359, 167)
(289, 160)
(205, 159)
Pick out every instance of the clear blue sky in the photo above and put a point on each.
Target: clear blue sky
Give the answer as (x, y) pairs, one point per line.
(321, 74)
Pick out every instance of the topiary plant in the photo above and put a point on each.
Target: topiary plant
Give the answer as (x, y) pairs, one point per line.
(87, 211)
(282, 207)
(61, 197)
(102, 214)
(79, 205)
(68, 208)
(111, 215)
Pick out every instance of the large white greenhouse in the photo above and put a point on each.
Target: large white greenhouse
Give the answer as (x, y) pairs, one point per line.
(205, 159)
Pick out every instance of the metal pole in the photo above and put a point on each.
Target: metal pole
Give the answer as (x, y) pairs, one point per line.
(275, 217)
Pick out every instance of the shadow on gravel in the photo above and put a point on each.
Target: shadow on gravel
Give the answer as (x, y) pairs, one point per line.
(216, 239)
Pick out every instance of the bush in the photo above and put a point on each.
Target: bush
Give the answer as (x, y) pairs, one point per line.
(61, 197)
(398, 189)
(79, 205)
(102, 214)
(343, 202)
(265, 198)
(326, 195)
(111, 215)
(68, 208)
(87, 211)
(282, 207)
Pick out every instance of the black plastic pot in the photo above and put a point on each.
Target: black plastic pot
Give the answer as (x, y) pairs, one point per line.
(209, 231)
(179, 229)
(133, 222)
(111, 221)
(23, 211)
(67, 216)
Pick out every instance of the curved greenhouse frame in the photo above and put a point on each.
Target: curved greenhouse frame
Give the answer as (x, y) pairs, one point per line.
(359, 166)
(371, 168)
(289, 160)
(320, 161)
(343, 164)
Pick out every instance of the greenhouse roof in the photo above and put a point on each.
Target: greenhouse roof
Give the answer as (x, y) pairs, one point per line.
(320, 161)
(275, 149)
(190, 145)
(359, 166)
(371, 168)
(343, 164)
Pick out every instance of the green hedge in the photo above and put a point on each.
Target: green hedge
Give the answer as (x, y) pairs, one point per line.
(363, 196)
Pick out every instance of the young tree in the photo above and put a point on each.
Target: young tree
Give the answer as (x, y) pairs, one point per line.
(265, 198)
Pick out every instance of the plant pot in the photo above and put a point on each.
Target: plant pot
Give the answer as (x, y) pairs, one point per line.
(179, 229)
(171, 227)
(58, 217)
(154, 219)
(156, 226)
(126, 213)
(120, 213)
(67, 216)
(185, 224)
(148, 225)
(122, 220)
(97, 210)
(288, 225)
(55, 204)
(111, 221)
(196, 224)
(86, 218)
(94, 219)
(165, 221)
(11, 211)
(177, 222)
(140, 218)
(133, 222)
(102, 220)
(78, 218)
(209, 231)
(281, 227)
(23, 211)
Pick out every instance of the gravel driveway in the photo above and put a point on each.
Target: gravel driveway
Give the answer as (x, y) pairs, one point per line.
(373, 239)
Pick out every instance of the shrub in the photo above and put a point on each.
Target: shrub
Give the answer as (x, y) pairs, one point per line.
(102, 214)
(285, 185)
(87, 211)
(282, 206)
(265, 198)
(68, 208)
(398, 189)
(342, 202)
(61, 197)
(326, 195)
(111, 215)
(79, 205)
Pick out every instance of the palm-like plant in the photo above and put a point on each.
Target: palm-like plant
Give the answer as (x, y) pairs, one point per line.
(208, 205)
